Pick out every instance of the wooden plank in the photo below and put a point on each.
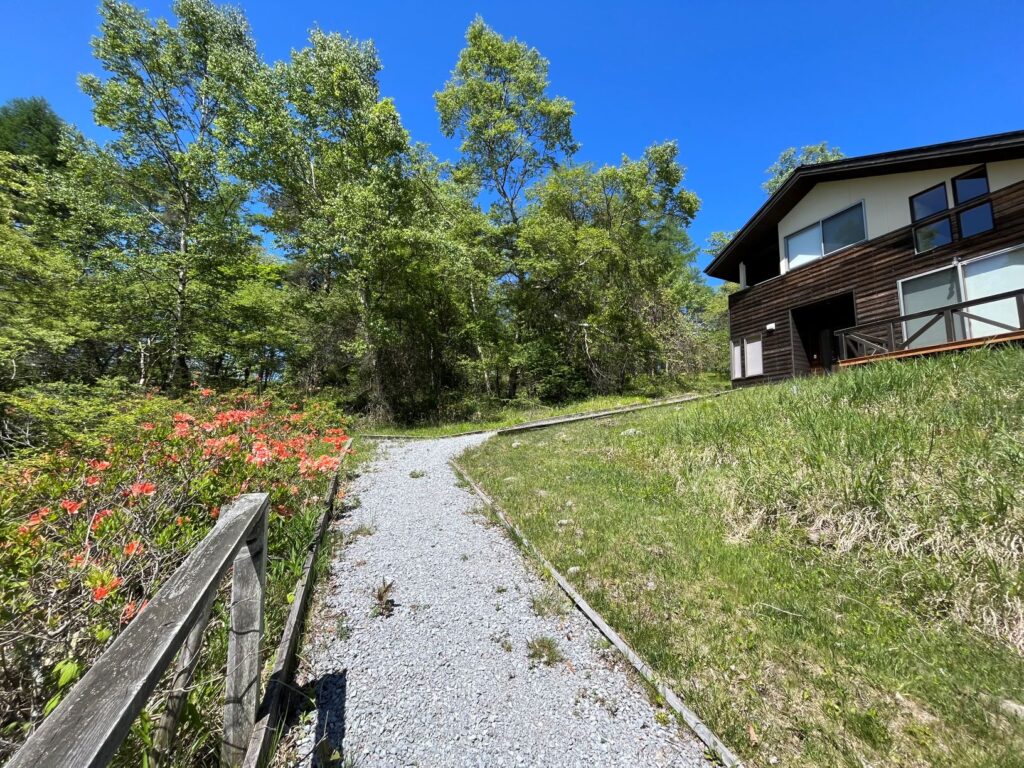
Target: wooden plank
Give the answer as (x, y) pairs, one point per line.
(705, 734)
(242, 681)
(589, 415)
(88, 726)
(271, 709)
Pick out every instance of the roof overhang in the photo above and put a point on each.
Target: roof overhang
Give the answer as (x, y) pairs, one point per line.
(760, 233)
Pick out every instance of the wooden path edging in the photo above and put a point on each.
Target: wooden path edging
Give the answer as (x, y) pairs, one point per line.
(273, 705)
(590, 415)
(710, 740)
(556, 420)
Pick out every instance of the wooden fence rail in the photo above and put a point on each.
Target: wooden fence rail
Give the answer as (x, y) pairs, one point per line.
(892, 334)
(89, 725)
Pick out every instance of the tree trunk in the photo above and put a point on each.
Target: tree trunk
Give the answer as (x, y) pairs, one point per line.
(179, 374)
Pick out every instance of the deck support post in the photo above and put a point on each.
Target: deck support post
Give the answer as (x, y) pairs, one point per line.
(242, 684)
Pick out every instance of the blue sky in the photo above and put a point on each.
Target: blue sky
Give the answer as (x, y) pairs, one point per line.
(733, 83)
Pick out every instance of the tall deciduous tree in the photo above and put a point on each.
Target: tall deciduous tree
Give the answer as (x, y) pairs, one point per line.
(511, 133)
(792, 158)
(163, 94)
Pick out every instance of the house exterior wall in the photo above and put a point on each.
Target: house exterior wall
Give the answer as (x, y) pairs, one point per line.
(869, 270)
(886, 198)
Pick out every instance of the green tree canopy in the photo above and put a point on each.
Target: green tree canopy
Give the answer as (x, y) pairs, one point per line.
(792, 158)
(31, 127)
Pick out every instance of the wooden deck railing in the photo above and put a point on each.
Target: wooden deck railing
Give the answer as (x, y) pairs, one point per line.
(89, 725)
(887, 336)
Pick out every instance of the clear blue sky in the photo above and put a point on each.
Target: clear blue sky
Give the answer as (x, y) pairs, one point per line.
(733, 83)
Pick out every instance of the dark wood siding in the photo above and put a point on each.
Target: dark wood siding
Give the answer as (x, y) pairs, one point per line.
(869, 270)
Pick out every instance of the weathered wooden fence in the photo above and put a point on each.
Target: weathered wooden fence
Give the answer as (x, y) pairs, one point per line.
(89, 725)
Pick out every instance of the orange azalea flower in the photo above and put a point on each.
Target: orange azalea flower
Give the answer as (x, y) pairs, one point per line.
(71, 507)
(148, 426)
(92, 480)
(206, 392)
(142, 489)
(99, 466)
(99, 517)
(78, 560)
(100, 592)
(133, 547)
(215, 513)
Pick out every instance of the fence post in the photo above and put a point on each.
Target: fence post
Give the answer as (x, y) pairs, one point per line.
(242, 684)
(947, 315)
(188, 660)
(1020, 310)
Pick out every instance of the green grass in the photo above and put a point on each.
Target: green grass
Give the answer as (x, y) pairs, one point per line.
(828, 570)
(508, 415)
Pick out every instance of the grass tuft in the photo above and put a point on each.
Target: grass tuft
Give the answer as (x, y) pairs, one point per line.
(544, 650)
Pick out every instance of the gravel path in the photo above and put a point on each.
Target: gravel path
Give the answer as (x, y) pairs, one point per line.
(446, 679)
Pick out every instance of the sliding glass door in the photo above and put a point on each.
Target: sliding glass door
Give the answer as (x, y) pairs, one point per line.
(986, 277)
(929, 292)
(975, 279)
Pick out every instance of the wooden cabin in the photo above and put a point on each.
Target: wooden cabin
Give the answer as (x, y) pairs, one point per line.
(889, 255)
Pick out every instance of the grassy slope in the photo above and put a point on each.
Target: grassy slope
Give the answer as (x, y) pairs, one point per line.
(829, 570)
(510, 415)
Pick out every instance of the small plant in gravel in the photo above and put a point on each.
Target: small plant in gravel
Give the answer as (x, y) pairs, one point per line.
(384, 604)
(358, 532)
(416, 474)
(463, 557)
(549, 603)
(503, 639)
(544, 650)
(501, 589)
(342, 628)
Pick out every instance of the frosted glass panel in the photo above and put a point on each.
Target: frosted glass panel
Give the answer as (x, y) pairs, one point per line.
(755, 366)
(736, 363)
(804, 247)
(939, 289)
(987, 277)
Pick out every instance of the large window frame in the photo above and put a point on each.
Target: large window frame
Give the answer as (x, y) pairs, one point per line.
(958, 267)
(820, 225)
(945, 217)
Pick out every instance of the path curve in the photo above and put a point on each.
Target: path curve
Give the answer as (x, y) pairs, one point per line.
(446, 679)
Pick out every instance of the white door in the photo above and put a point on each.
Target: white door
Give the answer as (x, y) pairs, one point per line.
(987, 277)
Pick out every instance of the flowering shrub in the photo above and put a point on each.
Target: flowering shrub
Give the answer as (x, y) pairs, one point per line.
(88, 534)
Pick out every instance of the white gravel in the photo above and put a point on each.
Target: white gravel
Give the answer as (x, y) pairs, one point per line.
(446, 679)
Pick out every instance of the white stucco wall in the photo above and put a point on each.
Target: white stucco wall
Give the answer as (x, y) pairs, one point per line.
(886, 198)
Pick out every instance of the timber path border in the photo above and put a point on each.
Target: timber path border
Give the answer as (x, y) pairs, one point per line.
(555, 421)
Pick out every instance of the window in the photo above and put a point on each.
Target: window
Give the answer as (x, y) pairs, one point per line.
(934, 229)
(752, 362)
(826, 236)
(804, 247)
(970, 185)
(745, 360)
(929, 236)
(843, 229)
(928, 203)
(976, 220)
